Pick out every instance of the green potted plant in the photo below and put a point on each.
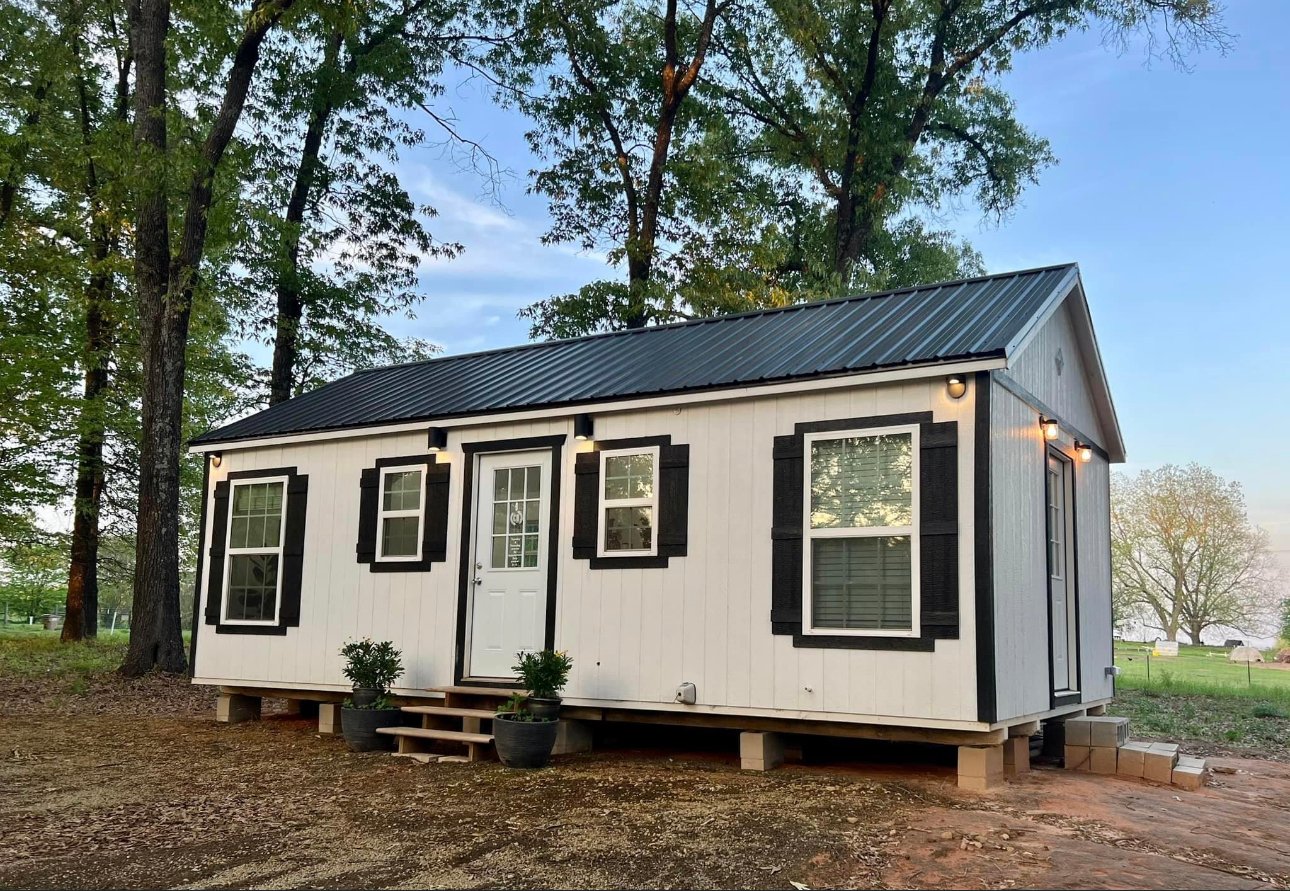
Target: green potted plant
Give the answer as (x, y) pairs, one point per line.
(522, 739)
(544, 674)
(371, 667)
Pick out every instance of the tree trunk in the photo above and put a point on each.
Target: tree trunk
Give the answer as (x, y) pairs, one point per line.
(286, 339)
(1194, 632)
(155, 637)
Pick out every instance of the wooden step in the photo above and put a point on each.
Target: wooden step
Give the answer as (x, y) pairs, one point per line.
(481, 739)
(446, 712)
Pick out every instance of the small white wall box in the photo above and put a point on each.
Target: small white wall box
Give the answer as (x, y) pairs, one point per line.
(1113, 671)
(687, 694)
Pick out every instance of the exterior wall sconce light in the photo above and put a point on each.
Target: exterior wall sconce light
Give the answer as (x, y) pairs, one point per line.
(216, 459)
(1084, 450)
(956, 386)
(437, 439)
(583, 427)
(1050, 427)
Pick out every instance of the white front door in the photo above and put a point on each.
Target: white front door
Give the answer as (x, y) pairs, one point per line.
(1061, 583)
(508, 578)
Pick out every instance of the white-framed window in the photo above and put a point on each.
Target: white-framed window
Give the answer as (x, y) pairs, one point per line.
(253, 551)
(629, 502)
(860, 517)
(400, 515)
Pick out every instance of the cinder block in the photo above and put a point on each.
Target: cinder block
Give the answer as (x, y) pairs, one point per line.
(1158, 766)
(1188, 776)
(1102, 759)
(1016, 756)
(979, 784)
(1077, 758)
(1079, 732)
(572, 737)
(1129, 761)
(1108, 732)
(234, 708)
(981, 761)
(1168, 748)
(760, 751)
(329, 717)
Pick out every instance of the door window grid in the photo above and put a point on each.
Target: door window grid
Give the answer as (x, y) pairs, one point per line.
(517, 502)
(254, 549)
(1056, 548)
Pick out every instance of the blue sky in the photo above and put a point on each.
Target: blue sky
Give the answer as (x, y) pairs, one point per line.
(1171, 192)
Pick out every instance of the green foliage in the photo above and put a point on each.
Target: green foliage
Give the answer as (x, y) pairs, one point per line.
(516, 709)
(372, 665)
(544, 672)
(1268, 710)
(33, 578)
(1199, 671)
(1184, 716)
(42, 655)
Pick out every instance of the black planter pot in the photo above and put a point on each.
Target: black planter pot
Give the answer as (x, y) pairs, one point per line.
(523, 744)
(365, 696)
(359, 727)
(540, 707)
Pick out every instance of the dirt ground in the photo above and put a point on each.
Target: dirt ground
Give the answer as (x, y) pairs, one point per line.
(135, 785)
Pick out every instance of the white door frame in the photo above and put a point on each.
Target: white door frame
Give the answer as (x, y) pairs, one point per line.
(1064, 683)
(543, 448)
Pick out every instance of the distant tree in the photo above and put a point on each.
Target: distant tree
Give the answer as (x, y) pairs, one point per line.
(32, 578)
(1285, 621)
(1185, 555)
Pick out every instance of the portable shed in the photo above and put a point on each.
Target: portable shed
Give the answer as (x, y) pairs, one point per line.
(884, 515)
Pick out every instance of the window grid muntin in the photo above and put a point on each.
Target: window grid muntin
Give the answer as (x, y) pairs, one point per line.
(811, 533)
(231, 553)
(649, 503)
(400, 473)
(516, 538)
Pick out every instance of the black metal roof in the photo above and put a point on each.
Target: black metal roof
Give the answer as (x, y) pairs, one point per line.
(969, 319)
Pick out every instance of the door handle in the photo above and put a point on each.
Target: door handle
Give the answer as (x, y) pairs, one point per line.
(478, 580)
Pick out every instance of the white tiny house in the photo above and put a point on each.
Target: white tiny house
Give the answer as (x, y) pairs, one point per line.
(883, 516)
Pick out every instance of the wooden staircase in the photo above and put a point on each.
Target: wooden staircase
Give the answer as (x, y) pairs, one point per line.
(463, 717)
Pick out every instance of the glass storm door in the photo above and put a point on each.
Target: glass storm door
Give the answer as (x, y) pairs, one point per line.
(509, 575)
(1061, 587)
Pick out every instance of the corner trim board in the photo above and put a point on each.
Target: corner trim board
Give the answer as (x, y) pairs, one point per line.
(987, 703)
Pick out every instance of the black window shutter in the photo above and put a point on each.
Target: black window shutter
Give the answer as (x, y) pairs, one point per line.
(434, 539)
(939, 532)
(367, 505)
(293, 549)
(219, 534)
(586, 504)
(674, 500)
(786, 537)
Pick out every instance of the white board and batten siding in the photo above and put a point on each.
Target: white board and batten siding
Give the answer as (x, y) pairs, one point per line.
(1018, 518)
(634, 634)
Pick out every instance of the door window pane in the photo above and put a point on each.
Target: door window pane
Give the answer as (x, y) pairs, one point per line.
(862, 481)
(517, 508)
(629, 528)
(861, 583)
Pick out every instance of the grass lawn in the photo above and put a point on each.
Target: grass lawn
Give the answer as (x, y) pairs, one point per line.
(1199, 696)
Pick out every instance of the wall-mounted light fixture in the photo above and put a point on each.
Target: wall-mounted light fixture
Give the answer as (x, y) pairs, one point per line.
(1050, 427)
(956, 386)
(437, 439)
(216, 459)
(1084, 450)
(583, 427)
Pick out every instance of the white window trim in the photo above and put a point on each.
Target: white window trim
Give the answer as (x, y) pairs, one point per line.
(809, 534)
(382, 514)
(230, 551)
(651, 502)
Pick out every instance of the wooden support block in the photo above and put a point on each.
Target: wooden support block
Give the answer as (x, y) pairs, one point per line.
(1016, 756)
(572, 737)
(234, 708)
(1102, 759)
(1030, 728)
(1095, 711)
(329, 718)
(760, 751)
(980, 767)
